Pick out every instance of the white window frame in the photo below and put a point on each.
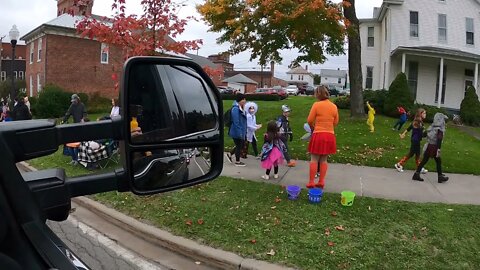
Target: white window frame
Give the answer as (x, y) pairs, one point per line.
(414, 27)
(469, 28)
(32, 49)
(104, 50)
(31, 85)
(3, 76)
(39, 84)
(442, 28)
(20, 75)
(371, 37)
(39, 50)
(15, 75)
(371, 78)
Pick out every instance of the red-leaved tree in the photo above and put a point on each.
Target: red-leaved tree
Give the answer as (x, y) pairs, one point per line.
(149, 34)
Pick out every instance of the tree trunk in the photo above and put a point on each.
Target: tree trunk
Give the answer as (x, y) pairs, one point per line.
(354, 62)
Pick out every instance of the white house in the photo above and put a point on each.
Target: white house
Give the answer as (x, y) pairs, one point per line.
(299, 75)
(434, 42)
(333, 77)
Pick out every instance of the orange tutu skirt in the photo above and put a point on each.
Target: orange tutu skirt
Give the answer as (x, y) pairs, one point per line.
(322, 143)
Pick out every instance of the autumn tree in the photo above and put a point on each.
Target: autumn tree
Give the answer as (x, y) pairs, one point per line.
(354, 60)
(313, 27)
(152, 32)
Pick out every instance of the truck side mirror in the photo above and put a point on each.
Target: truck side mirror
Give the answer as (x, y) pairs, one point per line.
(174, 132)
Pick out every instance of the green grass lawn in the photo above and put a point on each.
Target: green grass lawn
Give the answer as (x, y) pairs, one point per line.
(251, 219)
(356, 145)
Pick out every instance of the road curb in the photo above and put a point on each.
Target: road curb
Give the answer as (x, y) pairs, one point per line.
(189, 248)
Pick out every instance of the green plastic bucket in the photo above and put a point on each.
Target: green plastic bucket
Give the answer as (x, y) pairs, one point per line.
(347, 198)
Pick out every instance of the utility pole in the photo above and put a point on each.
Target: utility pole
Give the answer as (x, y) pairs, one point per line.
(1, 48)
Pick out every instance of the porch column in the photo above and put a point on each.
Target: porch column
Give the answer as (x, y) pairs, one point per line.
(404, 56)
(475, 78)
(440, 84)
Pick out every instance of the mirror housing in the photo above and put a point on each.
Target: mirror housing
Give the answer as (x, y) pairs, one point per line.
(170, 104)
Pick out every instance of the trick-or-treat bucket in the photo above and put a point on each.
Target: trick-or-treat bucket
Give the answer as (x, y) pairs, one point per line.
(315, 195)
(293, 192)
(347, 197)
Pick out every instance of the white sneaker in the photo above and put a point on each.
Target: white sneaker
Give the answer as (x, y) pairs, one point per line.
(275, 176)
(266, 177)
(424, 171)
(399, 167)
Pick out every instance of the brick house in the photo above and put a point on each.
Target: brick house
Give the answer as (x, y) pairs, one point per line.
(57, 55)
(6, 61)
(205, 62)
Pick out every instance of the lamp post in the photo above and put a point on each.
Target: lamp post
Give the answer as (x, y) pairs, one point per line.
(13, 34)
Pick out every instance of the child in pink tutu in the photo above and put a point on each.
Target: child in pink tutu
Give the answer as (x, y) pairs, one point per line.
(272, 151)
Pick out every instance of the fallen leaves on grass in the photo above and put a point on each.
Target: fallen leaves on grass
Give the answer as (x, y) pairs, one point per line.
(271, 253)
(327, 231)
(200, 221)
(273, 207)
(277, 200)
(253, 241)
(188, 222)
(340, 228)
(334, 214)
(330, 244)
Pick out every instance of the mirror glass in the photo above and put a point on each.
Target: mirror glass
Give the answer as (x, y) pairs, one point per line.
(163, 168)
(170, 102)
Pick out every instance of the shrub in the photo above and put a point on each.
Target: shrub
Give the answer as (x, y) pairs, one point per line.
(470, 108)
(343, 102)
(98, 104)
(84, 98)
(377, 97)
(264, 97)
(398, 95)
(53, 102)
(431, 111)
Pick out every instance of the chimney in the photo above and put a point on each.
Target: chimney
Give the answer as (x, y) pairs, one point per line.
(75, 7)
(272, 68)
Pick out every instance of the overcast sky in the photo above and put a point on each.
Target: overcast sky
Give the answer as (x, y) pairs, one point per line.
(27, 15)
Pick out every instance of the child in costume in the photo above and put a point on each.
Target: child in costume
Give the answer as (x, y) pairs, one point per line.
(417, 133)
(272, 150)
(252, 126)
(402, 119)
(285, 133)
(371, 117)
(435, 134)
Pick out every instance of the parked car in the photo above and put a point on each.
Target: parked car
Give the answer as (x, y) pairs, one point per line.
(309, 90)
(271, 91)
(345, 92)
(226, 89)
(292, 89)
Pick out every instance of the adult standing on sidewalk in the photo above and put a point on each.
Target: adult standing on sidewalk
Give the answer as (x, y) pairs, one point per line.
(322, 119)
(21, 111)
(76, 110)
(238, 128)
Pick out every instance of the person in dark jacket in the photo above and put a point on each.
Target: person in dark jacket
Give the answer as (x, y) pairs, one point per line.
(238, 129)
(76, 110)
(21, 111)
(285, 133)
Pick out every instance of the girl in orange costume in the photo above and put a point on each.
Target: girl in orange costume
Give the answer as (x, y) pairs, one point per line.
(322, 118)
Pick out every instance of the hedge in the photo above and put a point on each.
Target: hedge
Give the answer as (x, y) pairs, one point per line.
(431, 111)
(470, 108)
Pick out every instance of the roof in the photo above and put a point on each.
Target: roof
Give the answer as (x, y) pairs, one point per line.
(202, 61)
(65, 22)
(239, 78)
(298, 70)
(333, 73)
(429, 50)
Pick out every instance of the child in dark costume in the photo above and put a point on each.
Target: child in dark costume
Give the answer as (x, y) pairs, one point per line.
(435, 134)
(285, 133)
(417, 133)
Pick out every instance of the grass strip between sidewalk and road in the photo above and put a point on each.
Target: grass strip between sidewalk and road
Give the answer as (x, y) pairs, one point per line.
(257, 220)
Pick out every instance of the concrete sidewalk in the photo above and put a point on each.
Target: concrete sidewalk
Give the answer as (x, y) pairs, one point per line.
(384, 183)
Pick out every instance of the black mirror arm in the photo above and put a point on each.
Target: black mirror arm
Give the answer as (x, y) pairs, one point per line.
(97, 183)
(104, 129)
